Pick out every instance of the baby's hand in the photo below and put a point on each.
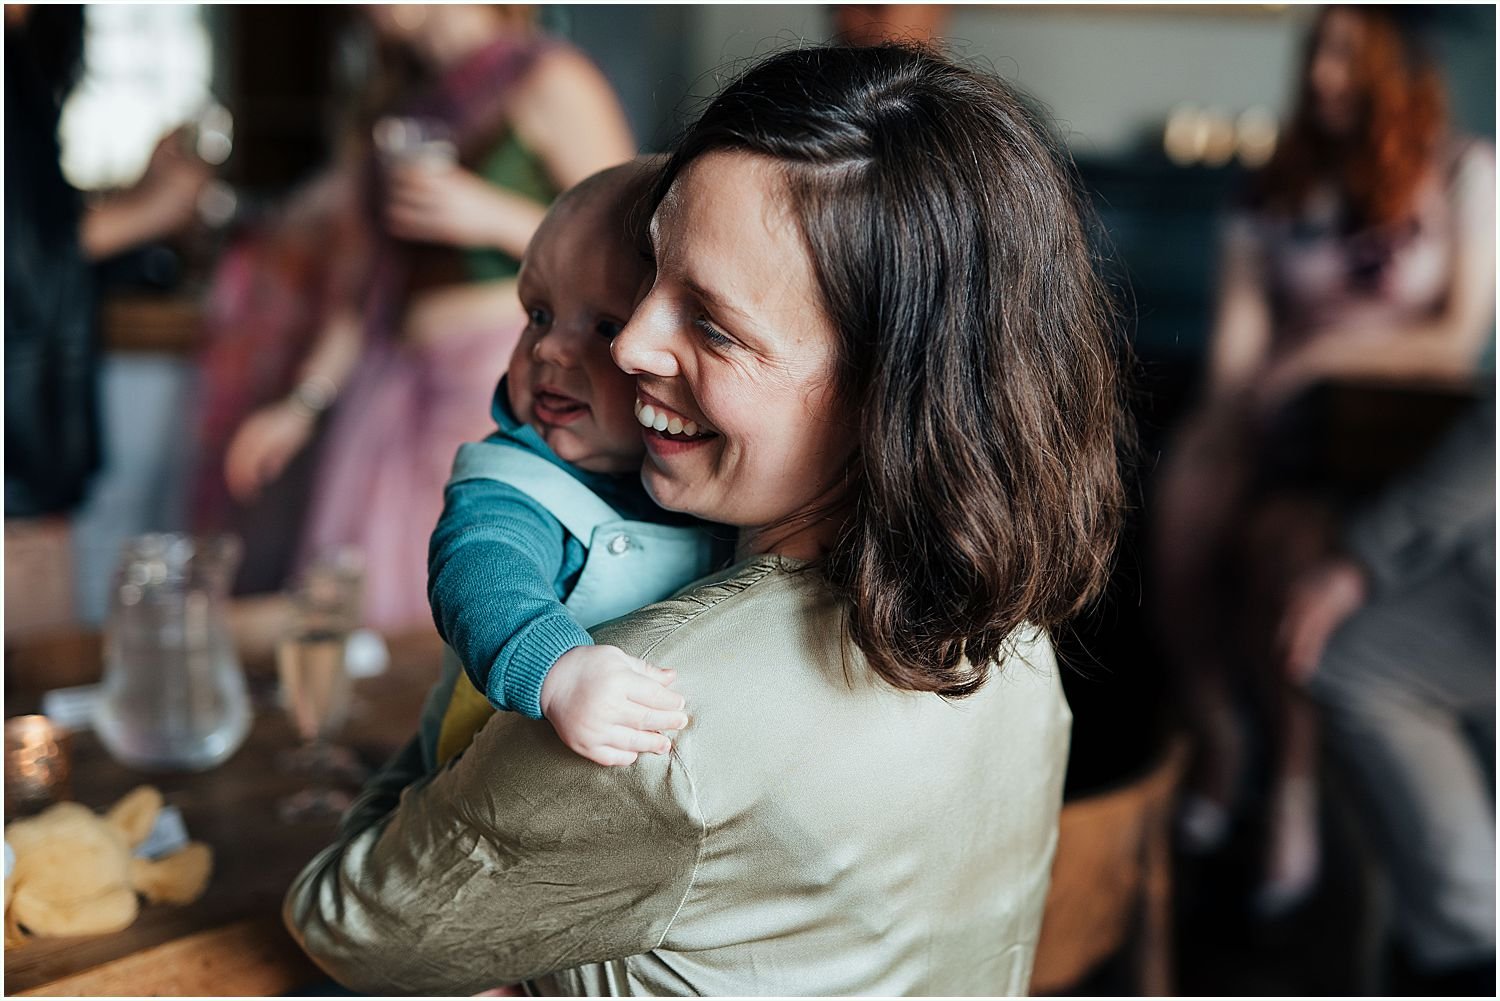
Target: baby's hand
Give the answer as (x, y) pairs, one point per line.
(609, 707)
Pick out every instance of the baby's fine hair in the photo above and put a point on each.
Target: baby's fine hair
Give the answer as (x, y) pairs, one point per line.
(624, 191)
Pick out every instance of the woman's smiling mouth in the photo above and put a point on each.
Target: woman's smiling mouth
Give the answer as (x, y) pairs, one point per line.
(666, 432)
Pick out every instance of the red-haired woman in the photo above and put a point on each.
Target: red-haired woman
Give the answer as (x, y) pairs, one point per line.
(1366, 252)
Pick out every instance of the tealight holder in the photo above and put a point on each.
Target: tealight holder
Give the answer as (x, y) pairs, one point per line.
(38, 764)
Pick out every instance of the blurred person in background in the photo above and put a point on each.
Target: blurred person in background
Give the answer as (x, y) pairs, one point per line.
(420, 313)
(874, 23)
(1394, 635)
(1364, 252)
(52, 242)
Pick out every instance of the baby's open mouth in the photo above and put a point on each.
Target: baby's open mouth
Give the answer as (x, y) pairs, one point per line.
(660, 419)
(555, 407)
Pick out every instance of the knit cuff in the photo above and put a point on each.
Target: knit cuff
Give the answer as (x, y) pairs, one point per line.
(536, 649)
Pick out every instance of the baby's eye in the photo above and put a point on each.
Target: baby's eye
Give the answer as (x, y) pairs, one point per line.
(711, 333)
(609, 329)
(538, 316)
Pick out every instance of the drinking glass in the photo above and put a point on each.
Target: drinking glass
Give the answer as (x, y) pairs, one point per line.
(209, 134)
(173, 697)
(315, 684)
(413, 139)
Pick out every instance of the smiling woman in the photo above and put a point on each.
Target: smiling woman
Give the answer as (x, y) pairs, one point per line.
(734, 339)
(876, 345)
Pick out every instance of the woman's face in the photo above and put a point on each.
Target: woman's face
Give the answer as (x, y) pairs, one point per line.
(402, 23)
(733, 353)
(439, 34)
(1331, 73)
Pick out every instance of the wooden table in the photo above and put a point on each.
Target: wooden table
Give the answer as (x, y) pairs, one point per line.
(231, 940)
(158, 323)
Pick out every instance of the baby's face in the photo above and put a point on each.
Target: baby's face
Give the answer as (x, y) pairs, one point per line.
(579, 284)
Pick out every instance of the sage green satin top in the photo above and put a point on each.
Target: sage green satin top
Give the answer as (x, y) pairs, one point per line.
(814, 831)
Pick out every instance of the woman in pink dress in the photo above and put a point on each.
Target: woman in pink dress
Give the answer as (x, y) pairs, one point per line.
(416, 334)
(1365, 253)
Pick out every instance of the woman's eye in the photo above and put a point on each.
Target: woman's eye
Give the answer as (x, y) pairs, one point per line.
(608, 329)
(538, 317)
(711, 333)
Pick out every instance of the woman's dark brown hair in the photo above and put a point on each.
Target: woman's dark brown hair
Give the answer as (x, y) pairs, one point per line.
(976, 354)
(1403, 116)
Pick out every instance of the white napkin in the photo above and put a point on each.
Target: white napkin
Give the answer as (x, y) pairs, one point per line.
(71, 708)
(167, 835)
(365, 654)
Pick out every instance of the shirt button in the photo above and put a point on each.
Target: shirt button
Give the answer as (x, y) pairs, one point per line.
(619, 545)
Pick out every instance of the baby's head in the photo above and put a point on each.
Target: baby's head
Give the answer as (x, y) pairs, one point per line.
(582, 276)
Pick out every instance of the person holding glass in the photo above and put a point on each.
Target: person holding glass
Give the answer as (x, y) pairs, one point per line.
(422, 314)
(875, 301)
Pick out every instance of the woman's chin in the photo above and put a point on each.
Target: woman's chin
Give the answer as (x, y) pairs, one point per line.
(658, 486)
(668, 493)
(675, 468)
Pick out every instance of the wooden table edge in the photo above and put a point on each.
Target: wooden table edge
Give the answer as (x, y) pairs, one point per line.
(254, 957)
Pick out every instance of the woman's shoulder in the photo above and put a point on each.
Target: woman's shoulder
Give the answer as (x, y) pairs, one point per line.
(741, 592)
(774, 603)
(1470, 162)
(565, 86)
(1462, 148)
(559, 73)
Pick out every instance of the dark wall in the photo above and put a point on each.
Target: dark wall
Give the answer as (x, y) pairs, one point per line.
(276, 70)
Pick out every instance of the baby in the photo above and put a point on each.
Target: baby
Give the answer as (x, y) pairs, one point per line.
(546, 529)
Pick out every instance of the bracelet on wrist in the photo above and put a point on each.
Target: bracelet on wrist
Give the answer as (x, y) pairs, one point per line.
(314, 395)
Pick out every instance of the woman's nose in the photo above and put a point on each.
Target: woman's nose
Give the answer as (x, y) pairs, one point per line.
(645, 346)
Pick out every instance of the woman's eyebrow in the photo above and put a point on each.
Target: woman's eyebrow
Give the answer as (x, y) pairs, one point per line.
(714, 299)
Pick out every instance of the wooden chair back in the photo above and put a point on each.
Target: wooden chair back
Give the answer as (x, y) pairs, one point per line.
(1111, 882)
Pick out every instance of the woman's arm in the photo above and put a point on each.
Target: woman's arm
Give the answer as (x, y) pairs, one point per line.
(331, 208)
(521, 859)
(1444, 348)
(1241, 338)
(273, 435)
(163, 202)
(566, 113)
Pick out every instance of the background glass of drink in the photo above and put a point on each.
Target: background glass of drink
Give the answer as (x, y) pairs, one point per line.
(415, 140)
(315, 685)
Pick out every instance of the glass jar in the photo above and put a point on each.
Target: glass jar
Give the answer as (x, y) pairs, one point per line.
(174, 696)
